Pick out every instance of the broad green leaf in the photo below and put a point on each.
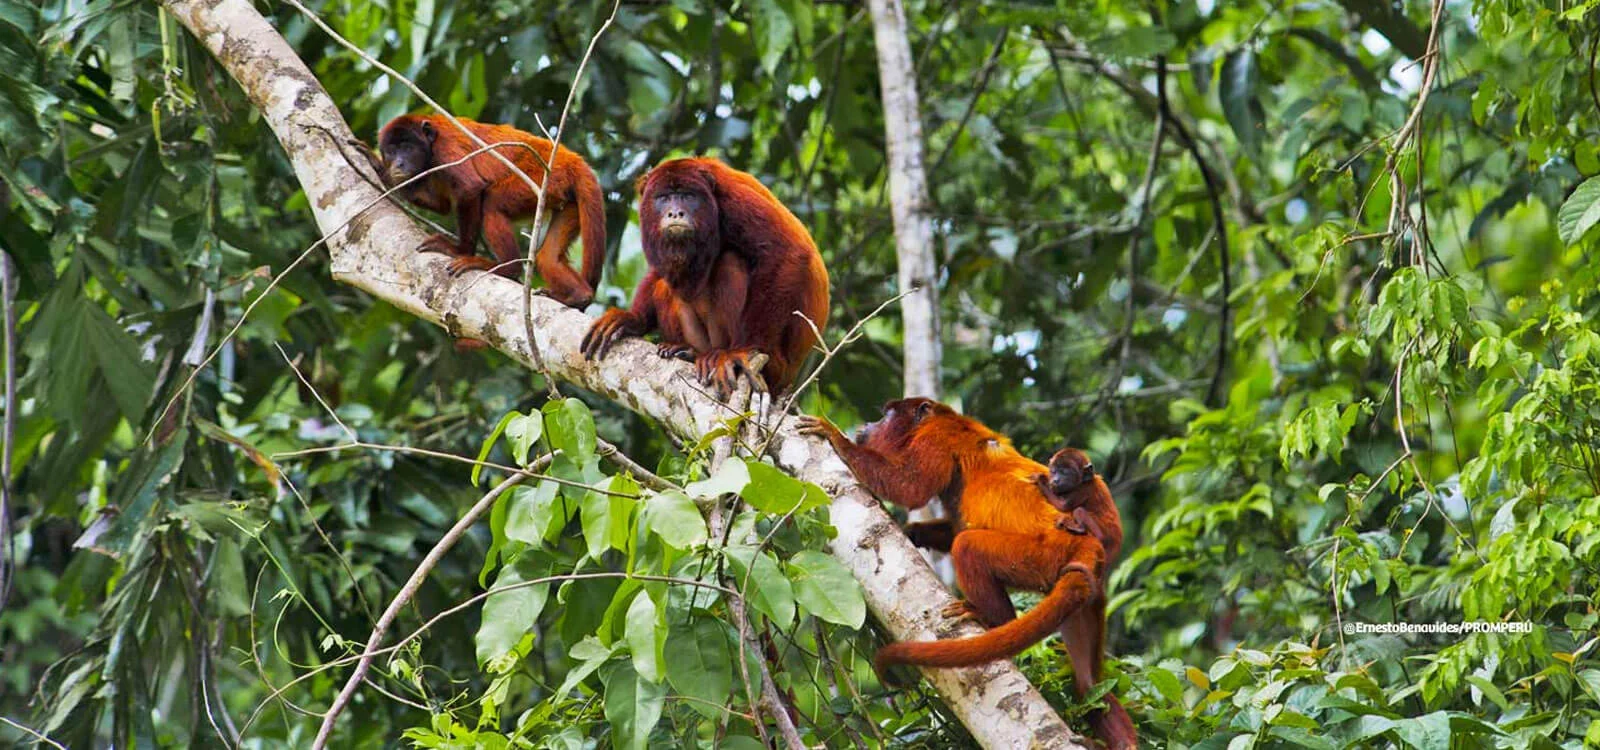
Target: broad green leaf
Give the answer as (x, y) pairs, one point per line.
(523, 432)
(1580, 212)
(826, 589)
(509, 615)
(674, 517)
(534, 513)
(570, 427)
(605, 516)
(1426, 732)
(772, 491)
(698, 666)
(731, 476)
(646, 635)
(488, 445)
(773, 30)
(632, 705)
(1237, 91)
(589, 654)
(758, 576)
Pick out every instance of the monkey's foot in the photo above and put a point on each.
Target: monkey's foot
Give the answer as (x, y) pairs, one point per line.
(440, 243)
(722, 369)
(1072, 525)
(959, 611)
(611, 327)
(676, 351)
(464, 263)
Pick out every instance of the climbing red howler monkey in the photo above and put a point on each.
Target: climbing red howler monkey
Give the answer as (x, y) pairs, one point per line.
(1002, 534)
(487, 197)
(1072, 488)
(730, 267)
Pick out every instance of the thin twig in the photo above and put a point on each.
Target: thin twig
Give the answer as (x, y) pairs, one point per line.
(423, 95)
(8, 293)
(1135, 235)
(408, 590)
(278, 279)
(649, 478)
(539, 209)
(36, 734)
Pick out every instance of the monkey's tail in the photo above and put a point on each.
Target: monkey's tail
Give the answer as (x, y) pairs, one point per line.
(592, 226)
(1071, 592)
(1114, 726)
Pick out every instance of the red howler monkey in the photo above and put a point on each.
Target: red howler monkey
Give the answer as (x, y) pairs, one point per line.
(487, 197)
(1072, 488)
(1002, 535)
(729, 268)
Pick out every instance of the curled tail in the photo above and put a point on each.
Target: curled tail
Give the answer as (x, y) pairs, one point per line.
(1113, 726)
(591, 224)
(1003, 642)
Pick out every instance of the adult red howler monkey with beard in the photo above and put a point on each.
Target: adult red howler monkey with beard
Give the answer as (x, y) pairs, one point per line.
(1002, 534)
(729, 268)
(487, 197)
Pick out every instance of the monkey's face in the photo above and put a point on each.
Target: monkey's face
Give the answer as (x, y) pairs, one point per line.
(900, 419)
(677, 212)
(1069, 469)
(407, 149)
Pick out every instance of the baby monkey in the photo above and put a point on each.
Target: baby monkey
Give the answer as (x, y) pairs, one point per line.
(1072, 487)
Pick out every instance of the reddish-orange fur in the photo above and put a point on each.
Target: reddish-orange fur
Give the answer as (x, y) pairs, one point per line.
(729, 268)
(488, 197)
(1002, 535)
(1072, 487)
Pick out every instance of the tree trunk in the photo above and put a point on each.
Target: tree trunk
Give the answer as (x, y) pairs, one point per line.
(913, 230)
(908, 199)
(373, 247)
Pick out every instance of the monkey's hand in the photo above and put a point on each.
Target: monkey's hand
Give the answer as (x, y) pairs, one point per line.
(1071, 524)
(722, 369)
(1092, 574)
(669, 350)
(608, 329)
(819, 426)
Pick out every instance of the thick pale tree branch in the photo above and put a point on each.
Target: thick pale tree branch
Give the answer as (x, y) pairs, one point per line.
(376, 252)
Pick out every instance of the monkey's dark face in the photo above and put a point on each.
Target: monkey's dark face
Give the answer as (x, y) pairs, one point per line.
(679, 220)
(407, 149)
(1069, 469)
(900, 419)
(677, 212)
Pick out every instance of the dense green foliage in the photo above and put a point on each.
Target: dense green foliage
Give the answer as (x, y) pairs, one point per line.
(1372, 395)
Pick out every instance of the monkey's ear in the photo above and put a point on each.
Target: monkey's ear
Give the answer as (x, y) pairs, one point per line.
(924, 409)
(428, 132)
(638, 183)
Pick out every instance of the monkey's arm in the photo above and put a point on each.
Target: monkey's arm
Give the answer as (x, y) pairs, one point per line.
(903, 480)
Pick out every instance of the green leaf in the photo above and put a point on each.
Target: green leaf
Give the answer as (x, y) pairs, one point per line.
(1237, 91)
(129, 378)
(772, 491)
(524, 432)
(826, 589)
(509, 615)
(570, 426)
(646, 635)
(1489, 691)
(758, 576)
(674, 517)
(1580, 212)
(632, 706)
(773, 31)
(589, 654)
(1426, 732)
(488, 445)
(534, 513)
(698, 666)
(605, 515)
(731, 476)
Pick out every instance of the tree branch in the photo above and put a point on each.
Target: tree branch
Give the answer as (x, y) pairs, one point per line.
(376, 253)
